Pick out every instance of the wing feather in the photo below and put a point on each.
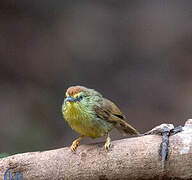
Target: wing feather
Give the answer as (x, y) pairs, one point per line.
(108, 111)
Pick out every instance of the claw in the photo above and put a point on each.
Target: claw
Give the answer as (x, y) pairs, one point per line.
(75, 143)
(107, 143)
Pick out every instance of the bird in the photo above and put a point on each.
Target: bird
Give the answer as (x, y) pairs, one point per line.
(92, 115)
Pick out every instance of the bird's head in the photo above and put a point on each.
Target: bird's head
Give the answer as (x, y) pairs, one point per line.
(75, 94)
(80, 96)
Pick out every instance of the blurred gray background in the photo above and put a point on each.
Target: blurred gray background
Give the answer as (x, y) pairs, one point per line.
(136, 53)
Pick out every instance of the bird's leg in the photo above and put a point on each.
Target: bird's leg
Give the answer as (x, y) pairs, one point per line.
(75, 143)
(107, 142)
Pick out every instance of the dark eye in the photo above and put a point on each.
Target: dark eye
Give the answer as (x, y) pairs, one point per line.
(80, 97)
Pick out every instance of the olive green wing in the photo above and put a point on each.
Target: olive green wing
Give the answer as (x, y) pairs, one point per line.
(108, 111)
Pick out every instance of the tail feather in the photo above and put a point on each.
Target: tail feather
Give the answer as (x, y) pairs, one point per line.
(126, 128)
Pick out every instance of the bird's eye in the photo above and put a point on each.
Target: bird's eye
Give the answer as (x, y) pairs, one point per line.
(80, 97)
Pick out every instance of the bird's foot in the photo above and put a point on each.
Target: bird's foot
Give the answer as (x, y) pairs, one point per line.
(74, 145)
(107, 143)
(165, 130)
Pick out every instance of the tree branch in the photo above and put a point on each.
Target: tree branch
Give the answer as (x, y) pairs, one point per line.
(132, 158)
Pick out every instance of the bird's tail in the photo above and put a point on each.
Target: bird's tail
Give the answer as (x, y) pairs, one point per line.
(126, 128)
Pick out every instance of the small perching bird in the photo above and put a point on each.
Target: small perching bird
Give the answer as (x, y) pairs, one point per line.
(92, 115)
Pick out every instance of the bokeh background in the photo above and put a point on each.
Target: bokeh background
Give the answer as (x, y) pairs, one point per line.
(136, 53)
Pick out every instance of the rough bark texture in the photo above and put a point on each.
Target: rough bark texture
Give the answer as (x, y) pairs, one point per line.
(132, 158)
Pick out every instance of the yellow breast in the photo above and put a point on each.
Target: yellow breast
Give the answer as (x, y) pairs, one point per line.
(83, 121)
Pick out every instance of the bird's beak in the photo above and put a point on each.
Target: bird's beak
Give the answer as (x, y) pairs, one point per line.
(70, 99)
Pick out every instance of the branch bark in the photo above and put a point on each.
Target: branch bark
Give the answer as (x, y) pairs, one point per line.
(132, 158)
